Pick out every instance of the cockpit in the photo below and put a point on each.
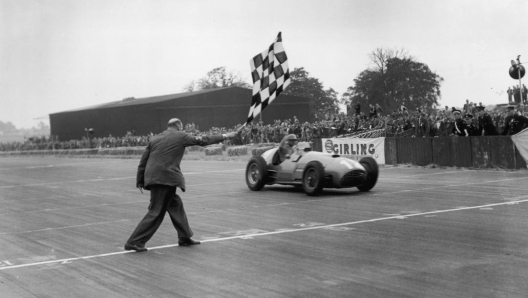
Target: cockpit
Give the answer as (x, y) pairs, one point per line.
(290, 148)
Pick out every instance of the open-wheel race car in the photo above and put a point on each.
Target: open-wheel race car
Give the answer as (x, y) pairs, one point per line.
(310, 170)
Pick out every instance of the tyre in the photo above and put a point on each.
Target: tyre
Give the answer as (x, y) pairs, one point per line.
(372, 169)
(313, 178)
(256, 173)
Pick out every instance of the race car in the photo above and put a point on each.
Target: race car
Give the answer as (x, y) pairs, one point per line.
(310, 170)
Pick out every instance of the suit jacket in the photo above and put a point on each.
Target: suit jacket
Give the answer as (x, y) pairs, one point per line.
(160, 163)
(519, 123)
(460, 128)
(448, 128)
(437, 129)
(423, 126)
(486, 125)
(507, 123)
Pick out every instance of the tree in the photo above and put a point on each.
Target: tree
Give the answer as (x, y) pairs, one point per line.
(397, 79)
(42, 126)
(321, 101)
(216, 78)
(189, 87)
(7, 127)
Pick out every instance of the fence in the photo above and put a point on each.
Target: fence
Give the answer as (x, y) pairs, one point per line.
(476, 152)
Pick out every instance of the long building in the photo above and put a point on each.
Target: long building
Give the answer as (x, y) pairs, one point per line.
(222, 107)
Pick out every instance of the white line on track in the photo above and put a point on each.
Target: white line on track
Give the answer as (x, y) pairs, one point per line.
(282, 231)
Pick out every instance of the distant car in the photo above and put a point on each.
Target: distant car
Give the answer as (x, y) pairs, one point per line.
(311, 170)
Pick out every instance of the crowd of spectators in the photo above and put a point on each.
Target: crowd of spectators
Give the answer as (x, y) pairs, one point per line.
(514, 94)
(52, 143)
(422, 122)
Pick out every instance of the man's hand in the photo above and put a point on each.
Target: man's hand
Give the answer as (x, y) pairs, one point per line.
(140, 187)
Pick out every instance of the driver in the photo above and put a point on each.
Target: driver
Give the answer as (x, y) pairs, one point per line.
(287, 147)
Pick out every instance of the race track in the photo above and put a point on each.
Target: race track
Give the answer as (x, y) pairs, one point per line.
(421, 232)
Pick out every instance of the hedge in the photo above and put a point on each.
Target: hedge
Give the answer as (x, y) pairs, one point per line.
(213, 151)
(259, 151)
(237, 151)
(267, 145)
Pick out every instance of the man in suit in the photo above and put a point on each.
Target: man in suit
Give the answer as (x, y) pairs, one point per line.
(466, 106)
(485, 122)
(470, 126)
(159, 171)
(508, 121)
(423, 125)
(515, 121)
(459, 128)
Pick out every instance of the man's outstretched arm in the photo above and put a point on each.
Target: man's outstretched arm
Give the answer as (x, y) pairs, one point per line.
(207, 140)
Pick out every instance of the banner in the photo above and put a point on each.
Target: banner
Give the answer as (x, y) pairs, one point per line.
(521, 142)
(356, 148)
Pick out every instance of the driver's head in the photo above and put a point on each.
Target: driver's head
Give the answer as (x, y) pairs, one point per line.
(290, 140)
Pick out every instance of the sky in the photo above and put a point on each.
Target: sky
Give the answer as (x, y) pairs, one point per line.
(61, 55)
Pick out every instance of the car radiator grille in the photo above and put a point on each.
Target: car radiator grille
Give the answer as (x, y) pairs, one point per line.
(353, 178)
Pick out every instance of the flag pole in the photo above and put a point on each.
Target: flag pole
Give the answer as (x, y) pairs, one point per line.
(240, 128)
(519, 72)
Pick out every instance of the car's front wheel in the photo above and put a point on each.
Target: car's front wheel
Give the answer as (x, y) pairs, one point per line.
(372, 169)
(256, 173)
(313, 178)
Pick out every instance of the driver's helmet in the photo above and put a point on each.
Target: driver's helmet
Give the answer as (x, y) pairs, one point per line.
(290, 140)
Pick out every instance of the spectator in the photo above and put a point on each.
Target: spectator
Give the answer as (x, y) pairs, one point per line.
(466, 106)
(459, 128)
(379, 110)
(372, 111)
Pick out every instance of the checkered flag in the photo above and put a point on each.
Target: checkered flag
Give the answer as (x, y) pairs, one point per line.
(271, 76)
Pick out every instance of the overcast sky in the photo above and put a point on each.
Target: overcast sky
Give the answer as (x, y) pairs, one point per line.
(63, 54)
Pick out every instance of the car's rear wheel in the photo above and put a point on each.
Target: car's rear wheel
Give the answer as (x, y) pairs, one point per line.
(256, 173)
(372, 169)
(313, 178)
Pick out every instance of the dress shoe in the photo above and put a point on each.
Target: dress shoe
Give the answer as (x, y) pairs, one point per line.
(187, 242)
(137, 248)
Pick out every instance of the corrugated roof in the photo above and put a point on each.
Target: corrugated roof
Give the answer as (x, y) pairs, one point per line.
(146, 100)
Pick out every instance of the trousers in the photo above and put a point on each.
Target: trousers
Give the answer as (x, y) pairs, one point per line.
(163, 199)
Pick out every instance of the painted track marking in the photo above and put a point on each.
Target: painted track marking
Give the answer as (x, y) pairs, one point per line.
(282, 231)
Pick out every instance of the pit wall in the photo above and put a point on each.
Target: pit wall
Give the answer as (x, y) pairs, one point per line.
(468, 152)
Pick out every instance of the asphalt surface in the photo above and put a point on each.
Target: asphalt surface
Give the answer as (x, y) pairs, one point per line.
(421, 232)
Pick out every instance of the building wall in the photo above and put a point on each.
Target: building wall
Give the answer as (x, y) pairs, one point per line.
(219, 108)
